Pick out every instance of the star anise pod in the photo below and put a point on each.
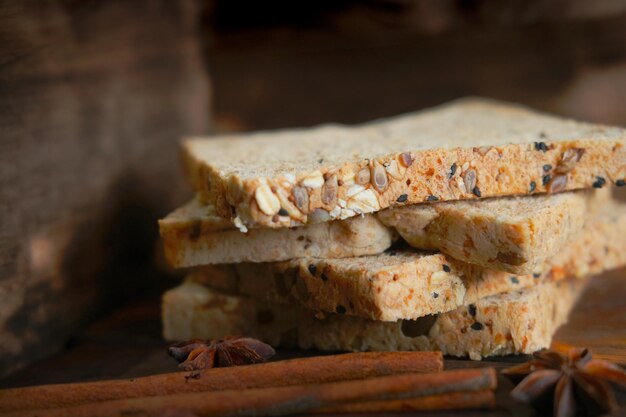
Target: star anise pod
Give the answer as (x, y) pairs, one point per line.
(569, 384)
(198, 355)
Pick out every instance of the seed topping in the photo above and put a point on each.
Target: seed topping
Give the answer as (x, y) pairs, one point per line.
(477, 326)
(469, 177)
(558, 184)
(395, 169)
(477, 192)
(379, 178)
(363, 202)
(363, 176)
(313, 180)
(329, 190)
(541, 146)
(406, 159)
(547, 167)
(266, 200)
(403, 198)
(432, 198)
(452, 170)
(620, 183)
(354, 190)
(599, 182)
(569, 159)
(301, 198)
(545, 180)
(533, 186)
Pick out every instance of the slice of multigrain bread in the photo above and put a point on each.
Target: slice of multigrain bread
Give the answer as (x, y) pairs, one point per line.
(514, 234)
(409, 284)
(515, 322)
(469, 148)
(195, 235)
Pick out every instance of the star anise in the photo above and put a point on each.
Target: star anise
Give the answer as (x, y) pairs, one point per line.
(569, 384)
(198, 355)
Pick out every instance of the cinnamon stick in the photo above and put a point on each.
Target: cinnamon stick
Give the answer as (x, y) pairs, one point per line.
(485, 399)
(312, 370)
(278, 401)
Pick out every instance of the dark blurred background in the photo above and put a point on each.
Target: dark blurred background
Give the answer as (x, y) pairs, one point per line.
(95, 95)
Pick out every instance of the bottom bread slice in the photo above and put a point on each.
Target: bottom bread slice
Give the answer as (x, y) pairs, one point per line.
(514, 322)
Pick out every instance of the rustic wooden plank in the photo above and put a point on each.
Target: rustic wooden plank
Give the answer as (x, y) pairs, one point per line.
(127, 344)
(94, 96)
(598, 321)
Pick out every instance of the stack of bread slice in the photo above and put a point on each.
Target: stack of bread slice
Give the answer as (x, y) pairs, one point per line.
(469, 228)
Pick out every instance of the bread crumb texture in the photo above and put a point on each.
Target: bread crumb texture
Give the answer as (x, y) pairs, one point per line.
(409, 284)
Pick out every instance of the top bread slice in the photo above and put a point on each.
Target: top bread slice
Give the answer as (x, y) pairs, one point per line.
(469, 148)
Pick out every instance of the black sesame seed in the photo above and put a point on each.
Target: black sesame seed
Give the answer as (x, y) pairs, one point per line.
(402, 198)
(283, 212)
(432, 198)
(536, 275)
(452, 170)
(541, 146)
(324, 277)
(547, 167)
(514, 280)
(477, 326)
(435, 295)
(446, 268)
(599, 183)
(312, 269)
(533, 186)
(340, 309)
(620, 183)
(477, 192)
(545, 180)
(472, 310)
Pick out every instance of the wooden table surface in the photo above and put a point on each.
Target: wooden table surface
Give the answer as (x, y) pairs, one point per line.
(127, 343)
